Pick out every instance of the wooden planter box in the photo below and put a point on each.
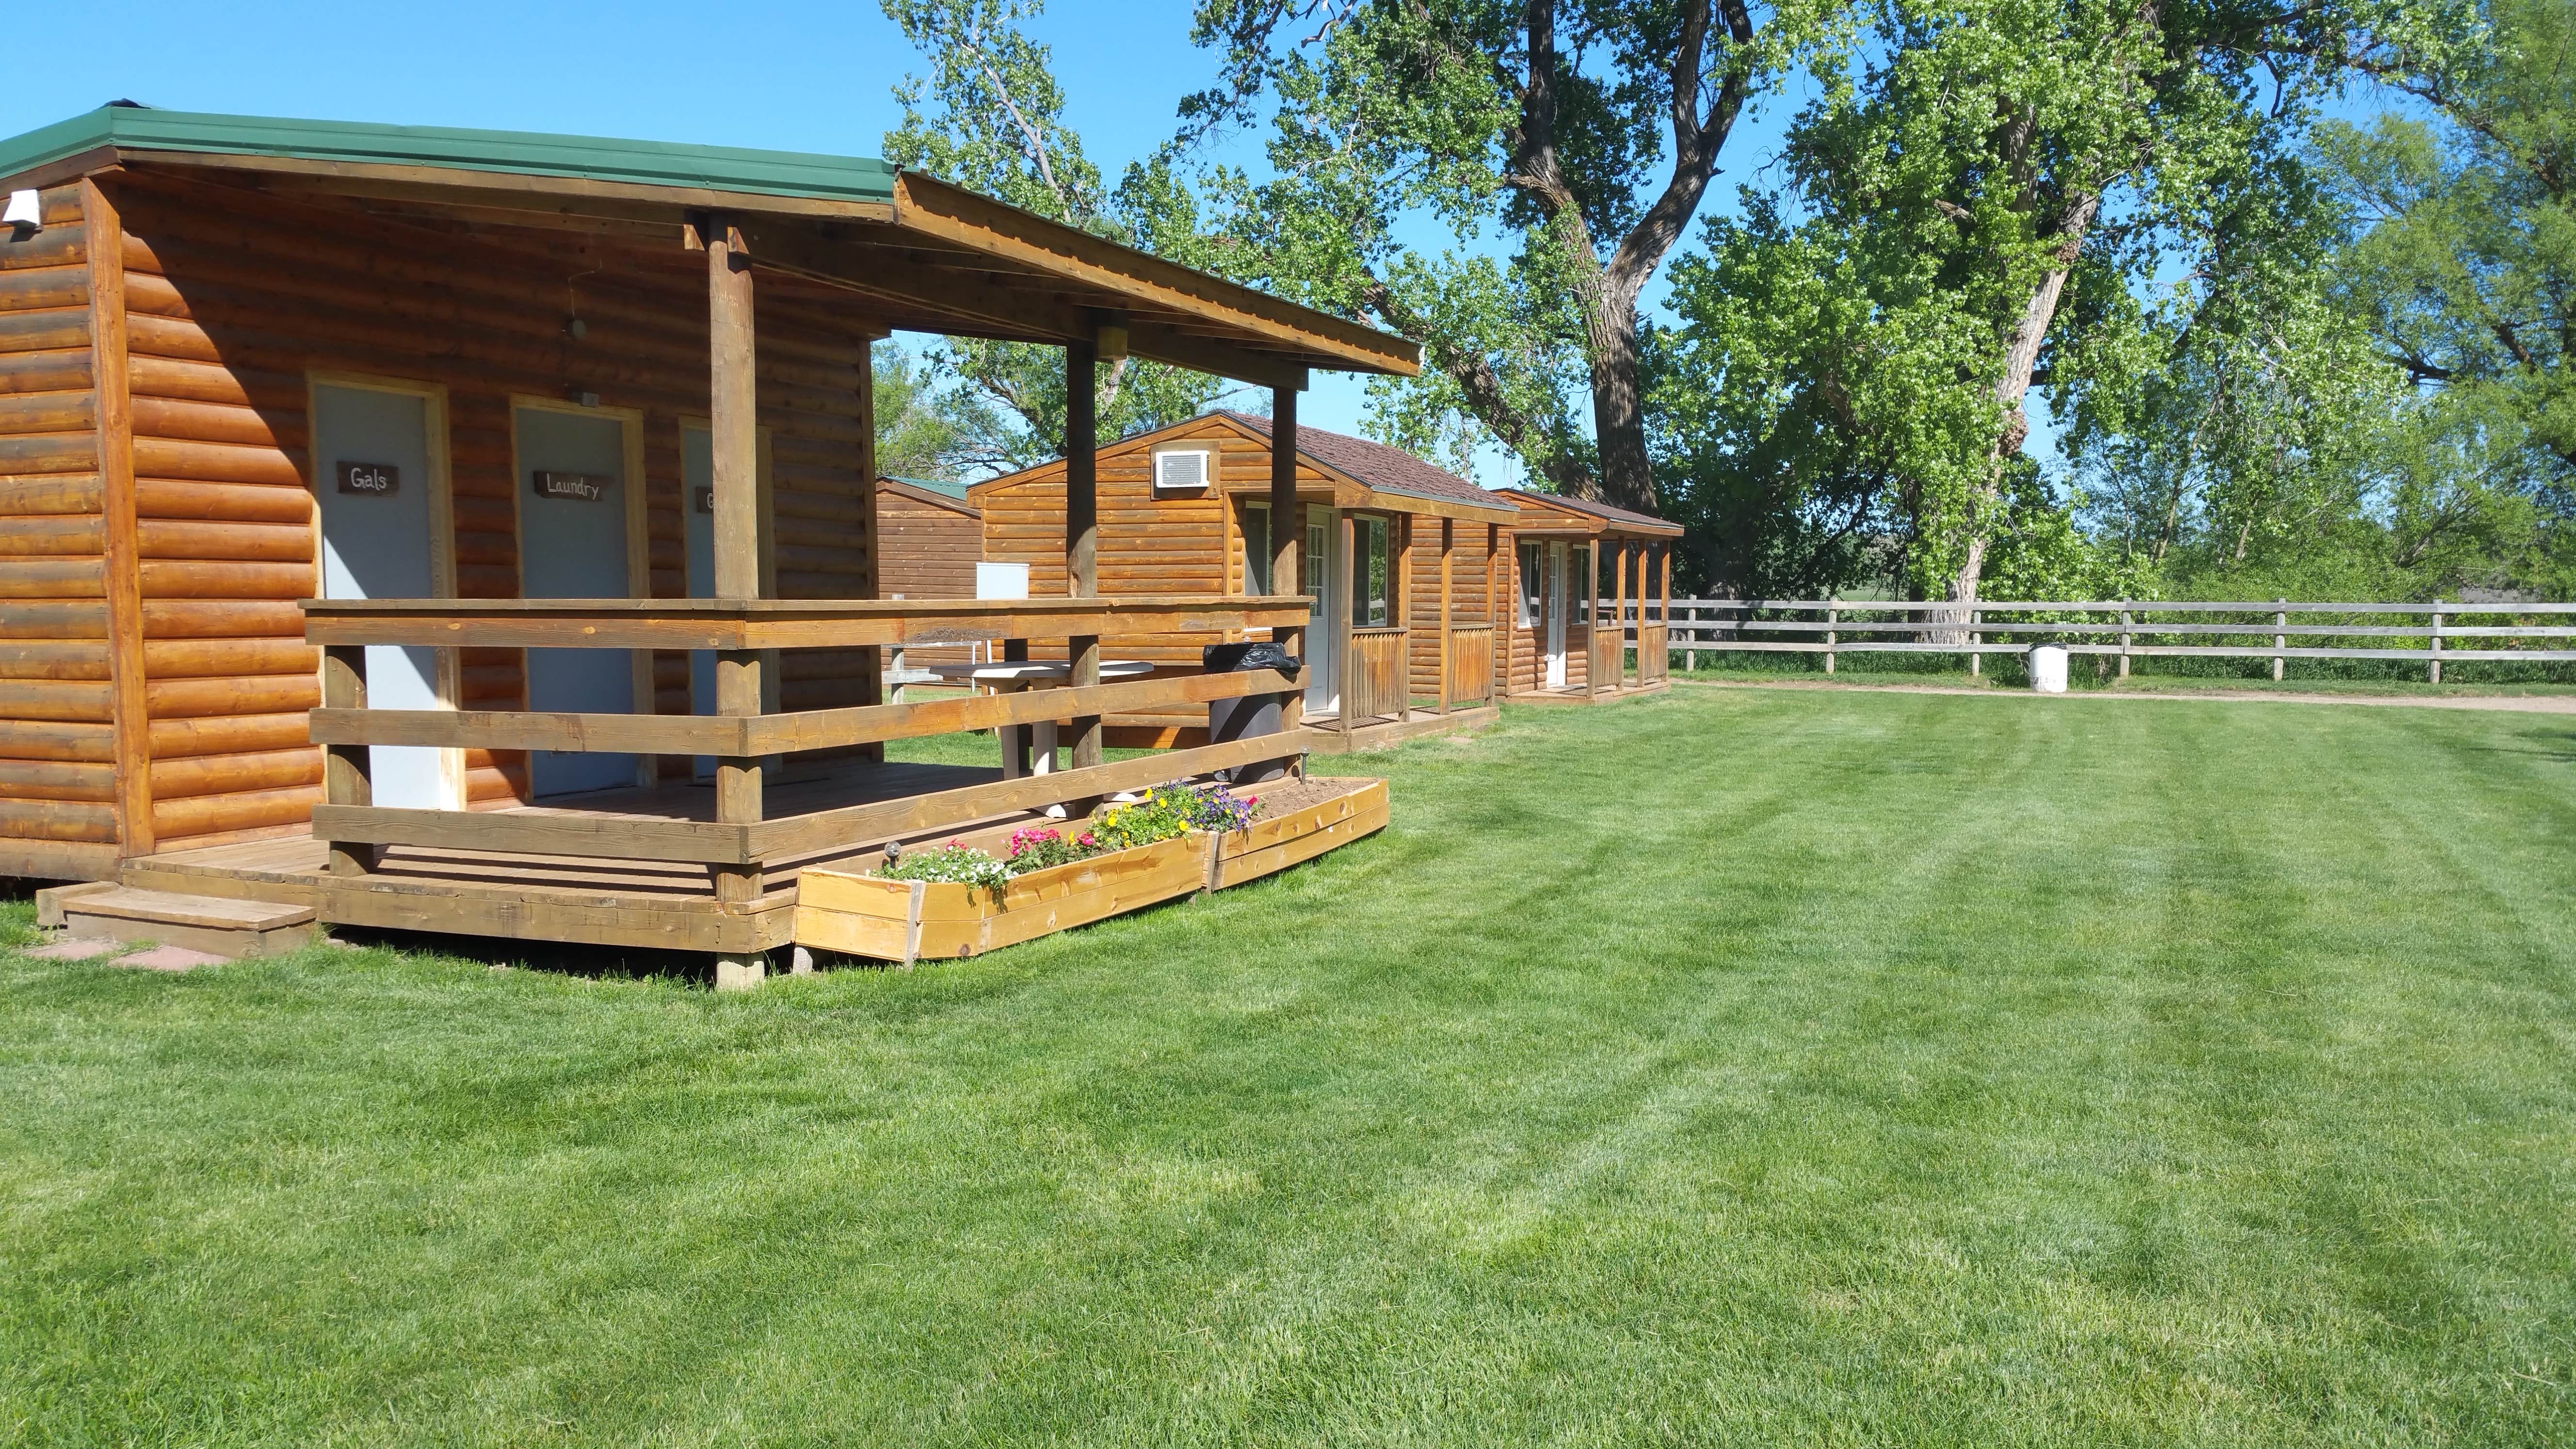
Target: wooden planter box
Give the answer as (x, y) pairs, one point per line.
(1274, 843)
(906, 921)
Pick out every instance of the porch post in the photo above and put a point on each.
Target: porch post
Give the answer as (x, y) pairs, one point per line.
(1341, 584)
(1664, 609)
(1399, 606)
(1448, 530)
(1287, 535)
(733, 427)
(1082, 529)
(345, 768)
(1592, 615)
(1502, 565)
(1619, 620)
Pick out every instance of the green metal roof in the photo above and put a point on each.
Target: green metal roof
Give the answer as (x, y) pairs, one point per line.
(941, 486)
(527, 153)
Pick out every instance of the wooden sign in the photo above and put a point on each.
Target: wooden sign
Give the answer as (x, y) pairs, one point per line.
(574, 487)
(381, 479)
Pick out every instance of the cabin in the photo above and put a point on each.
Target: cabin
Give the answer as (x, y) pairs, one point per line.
(479, 531)
(1595, 588)
(932, 538)
(1406, 564)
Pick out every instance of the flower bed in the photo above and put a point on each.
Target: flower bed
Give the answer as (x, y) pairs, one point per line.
(959, 900)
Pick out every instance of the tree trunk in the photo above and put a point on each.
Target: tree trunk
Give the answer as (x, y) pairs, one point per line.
(1618, 420)
(2012, 384)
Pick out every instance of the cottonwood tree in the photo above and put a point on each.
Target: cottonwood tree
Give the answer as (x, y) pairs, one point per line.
(1583, 135)
(989, 116)
(1978, 164)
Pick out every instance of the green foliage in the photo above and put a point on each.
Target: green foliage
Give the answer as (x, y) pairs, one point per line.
(931, 426)
(1559, 152)
(954, 862)
(989, 116)
(1978, 177)
(1160, 815)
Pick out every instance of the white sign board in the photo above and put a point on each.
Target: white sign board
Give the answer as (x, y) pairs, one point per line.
(1001, 581)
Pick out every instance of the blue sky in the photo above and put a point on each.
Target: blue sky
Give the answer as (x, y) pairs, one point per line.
(815, 77)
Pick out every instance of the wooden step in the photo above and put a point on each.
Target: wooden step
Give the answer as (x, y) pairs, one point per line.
(216, 924)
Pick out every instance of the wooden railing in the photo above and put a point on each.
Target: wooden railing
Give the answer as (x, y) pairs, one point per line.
(2126, 629)
(1471, 663)
(346, 727)
(1374, 675)
(1605, 656)
(1654, 654)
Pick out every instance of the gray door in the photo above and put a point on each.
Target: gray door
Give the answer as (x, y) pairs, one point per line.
(371, 455)
(572, 545)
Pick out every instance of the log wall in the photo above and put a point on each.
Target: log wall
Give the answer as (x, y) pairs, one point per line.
(232, 301)
(1175, 544)
(59, 781)
(1467, 589)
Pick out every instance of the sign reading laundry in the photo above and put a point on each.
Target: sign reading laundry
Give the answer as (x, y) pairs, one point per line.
(574, 487)
(381, 479)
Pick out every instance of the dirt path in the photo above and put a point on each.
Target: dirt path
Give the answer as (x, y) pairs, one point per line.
(2509, 703)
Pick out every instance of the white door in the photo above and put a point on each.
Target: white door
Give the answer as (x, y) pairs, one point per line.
(1556, 616)
(372, 453)
(572, 545)
(1324, 633)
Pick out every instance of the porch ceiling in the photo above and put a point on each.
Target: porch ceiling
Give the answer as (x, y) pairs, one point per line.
(908, 251)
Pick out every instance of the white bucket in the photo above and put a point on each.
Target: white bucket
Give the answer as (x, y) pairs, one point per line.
(2048, 668)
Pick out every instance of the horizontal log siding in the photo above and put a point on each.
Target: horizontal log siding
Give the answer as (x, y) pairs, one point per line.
(929, 552)
(1148, 545)
(57, 705)
(234, 298)
(1467, 591)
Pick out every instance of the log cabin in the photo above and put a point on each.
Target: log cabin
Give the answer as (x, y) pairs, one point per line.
(1406, 563)
(931, 540)
(1595, 583)
(476, 531)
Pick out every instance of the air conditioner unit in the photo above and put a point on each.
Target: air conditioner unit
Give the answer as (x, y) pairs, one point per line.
(1181, 471)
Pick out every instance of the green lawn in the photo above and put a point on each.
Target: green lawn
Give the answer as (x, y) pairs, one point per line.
(1732, 1066)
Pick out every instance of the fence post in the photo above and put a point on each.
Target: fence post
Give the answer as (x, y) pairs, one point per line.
(2435, 653)
(1976, 661)
(2124, 638)
(2280, 620)
(1690, 656)
(1833, 616)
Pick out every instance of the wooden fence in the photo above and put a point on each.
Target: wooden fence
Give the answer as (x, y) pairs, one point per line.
(2126, 629)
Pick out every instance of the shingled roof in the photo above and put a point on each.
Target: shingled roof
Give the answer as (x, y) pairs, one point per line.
(1386, 469)
(1616, 517)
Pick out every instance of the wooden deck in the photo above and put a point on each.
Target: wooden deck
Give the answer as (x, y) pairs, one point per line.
(602, 900)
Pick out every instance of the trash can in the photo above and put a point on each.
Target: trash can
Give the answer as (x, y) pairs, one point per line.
(1252, 715)
(2048, 668)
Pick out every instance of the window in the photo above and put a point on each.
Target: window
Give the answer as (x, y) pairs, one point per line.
(1579, 581)
(1533, 558)
(1319, 553)
(1181, 470)
(1372, 589)
(1256, 548)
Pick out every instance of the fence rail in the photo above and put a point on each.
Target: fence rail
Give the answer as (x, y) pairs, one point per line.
(2124, 629)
